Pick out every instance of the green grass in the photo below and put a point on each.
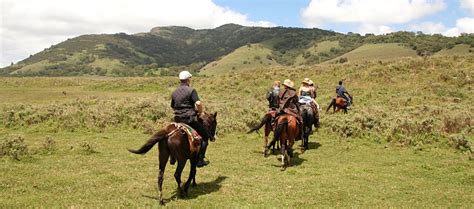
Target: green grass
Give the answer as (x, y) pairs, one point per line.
(378, 52)
(334, 172)
(407, 142)
(246, 57)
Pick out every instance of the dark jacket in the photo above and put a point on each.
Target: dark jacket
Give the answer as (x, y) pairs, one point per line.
(289, 102)
(182, 102)
(273, 98)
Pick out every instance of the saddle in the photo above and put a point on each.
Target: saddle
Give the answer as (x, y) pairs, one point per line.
(194, 138)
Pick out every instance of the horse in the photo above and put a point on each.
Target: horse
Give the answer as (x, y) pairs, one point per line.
(175, 143)
(267, 122)
(308, 120)
(286, 131)
(339, 103)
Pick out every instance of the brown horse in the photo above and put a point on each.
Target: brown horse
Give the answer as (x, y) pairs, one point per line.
(339, 103)
(175, 143)
(267, 122)
(286, 131)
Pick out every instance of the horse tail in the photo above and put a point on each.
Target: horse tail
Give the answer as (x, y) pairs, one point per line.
(278, 131)
(266, 119)
(160, 135)
(333, 102)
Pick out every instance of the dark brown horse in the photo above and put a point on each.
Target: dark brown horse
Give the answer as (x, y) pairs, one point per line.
(339, 103)
(267, 122)
(286, 131)
(176, 143)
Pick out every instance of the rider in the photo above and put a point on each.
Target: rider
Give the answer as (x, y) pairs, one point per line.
(289, 103)
(272, 96)
(187, 106)
(307, 95)
(341, 92)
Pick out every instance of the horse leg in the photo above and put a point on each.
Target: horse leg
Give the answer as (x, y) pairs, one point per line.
(192, 175)
(268, 129)
(163, 157)
(177, 174)
(283, 156)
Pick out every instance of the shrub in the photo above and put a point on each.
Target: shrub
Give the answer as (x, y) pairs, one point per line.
(49, 145)
(14, 147)
(88, 148)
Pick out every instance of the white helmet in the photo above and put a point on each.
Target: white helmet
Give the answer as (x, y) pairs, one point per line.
(183, 75)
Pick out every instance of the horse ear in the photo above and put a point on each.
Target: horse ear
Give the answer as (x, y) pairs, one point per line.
(215, 115)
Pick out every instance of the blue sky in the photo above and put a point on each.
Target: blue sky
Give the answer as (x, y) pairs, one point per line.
(288, 13)
(29, 26)
(280, 12)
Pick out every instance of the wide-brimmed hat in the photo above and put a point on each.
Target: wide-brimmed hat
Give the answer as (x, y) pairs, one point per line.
(306, 81)
(310, 82)
(288, 83)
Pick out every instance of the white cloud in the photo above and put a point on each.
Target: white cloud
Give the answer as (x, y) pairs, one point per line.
(429, 27)
(463, 25)
(376, 12)
(468, 4)
(29, 26)
(375, 29)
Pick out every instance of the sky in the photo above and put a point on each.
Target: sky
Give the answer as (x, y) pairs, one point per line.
(29, 26)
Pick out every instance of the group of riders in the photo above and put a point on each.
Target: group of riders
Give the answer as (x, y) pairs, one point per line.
(187, 106)
(198, 127)
(290, 101)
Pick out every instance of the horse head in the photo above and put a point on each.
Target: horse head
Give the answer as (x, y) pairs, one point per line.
(209, 122)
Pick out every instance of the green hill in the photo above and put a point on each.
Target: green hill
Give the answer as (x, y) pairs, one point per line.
(250, 56)
(370, 52)
(461, 49)
(167, 50)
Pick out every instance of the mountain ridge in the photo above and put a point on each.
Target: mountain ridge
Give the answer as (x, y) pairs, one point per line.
(167, 50)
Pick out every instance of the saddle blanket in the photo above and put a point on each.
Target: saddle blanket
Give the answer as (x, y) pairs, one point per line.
(193, 137)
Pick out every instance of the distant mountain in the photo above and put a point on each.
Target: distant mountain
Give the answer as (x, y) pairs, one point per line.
(167, 50)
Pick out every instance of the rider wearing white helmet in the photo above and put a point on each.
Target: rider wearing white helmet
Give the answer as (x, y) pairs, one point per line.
(187, 106)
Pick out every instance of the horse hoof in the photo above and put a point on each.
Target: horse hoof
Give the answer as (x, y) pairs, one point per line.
(162, 202)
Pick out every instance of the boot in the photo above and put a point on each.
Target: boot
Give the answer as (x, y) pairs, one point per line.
(202, 155)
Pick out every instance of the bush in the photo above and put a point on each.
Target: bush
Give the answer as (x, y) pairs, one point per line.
(14, 147)
(460, 142)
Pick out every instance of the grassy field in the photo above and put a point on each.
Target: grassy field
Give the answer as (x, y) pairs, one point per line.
(406, 143)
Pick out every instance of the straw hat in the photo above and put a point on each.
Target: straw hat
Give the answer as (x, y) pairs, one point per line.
(306, 81)
(288, 83)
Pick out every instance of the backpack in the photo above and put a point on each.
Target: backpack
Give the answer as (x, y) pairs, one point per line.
(272, 97)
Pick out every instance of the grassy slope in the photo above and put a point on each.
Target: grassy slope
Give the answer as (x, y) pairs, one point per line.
(254, 56)
(364, 170)
(377, 52)
(324, 46)
(460, 49)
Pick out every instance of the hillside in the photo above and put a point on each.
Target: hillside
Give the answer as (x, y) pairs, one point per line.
(459, 50)
(167, 50)
(369, 52)
(250, 56)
